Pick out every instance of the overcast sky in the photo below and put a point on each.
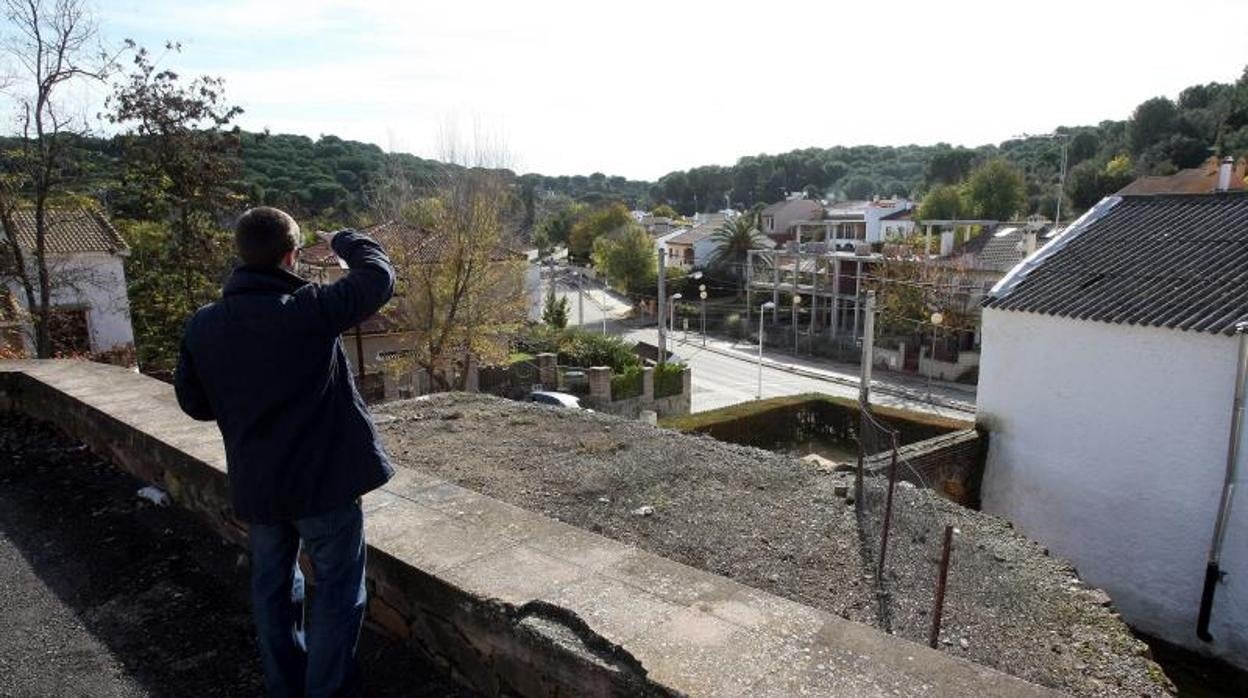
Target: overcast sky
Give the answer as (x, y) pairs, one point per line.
(641, 88)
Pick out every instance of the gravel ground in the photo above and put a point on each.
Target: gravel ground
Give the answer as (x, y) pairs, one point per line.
(774, 523)
(103, 594)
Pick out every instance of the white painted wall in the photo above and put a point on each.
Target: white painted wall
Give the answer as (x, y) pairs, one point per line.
(703, 251)
(875, 213)
(1108, 444)
(95, 281)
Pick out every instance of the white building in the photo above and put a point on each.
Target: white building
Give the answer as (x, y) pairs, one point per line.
(1106, 382)
(90, 309)
(846, 223)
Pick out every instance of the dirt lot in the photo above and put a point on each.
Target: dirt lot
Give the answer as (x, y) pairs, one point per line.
(771, 522)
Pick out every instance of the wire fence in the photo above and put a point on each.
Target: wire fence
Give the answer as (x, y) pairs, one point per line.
(899, 538)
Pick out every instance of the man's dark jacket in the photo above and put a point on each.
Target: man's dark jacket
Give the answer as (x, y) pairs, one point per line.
(266, 361)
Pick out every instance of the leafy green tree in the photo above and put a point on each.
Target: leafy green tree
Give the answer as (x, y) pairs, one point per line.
(182, 158)
(1089, 182)
(555, 312)
(734, 240)
(594, 225)
(942, 202)
(557, 225)
(1083, 146)
(1152, 120)
(997, 190)
(664, 211)
(859, 187)
(949, 166)
(627, 256)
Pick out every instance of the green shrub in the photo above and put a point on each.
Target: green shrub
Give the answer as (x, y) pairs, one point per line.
(667, 379)
(627, 384)
(577, 347)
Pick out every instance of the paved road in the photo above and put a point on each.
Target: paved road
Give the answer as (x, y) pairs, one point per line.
(726, 378)
(599, 304)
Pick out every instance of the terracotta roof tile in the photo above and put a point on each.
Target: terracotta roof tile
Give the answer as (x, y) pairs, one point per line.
(70, 230)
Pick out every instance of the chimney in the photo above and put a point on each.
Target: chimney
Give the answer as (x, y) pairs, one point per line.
(1029, 242)
(1224, 173)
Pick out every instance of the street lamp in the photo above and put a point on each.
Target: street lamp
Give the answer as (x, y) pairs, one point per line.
(797, 302)
(702, 295)
(671, 315)
(762, 310)
(937, 318)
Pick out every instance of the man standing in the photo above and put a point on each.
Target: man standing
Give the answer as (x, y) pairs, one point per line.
(266, 362)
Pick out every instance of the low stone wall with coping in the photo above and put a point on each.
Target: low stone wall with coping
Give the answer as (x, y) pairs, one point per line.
(600, 398)
(506, 600)
(951, 464)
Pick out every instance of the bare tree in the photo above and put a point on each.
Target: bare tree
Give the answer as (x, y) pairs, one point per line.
(51, 44)
(461, 279)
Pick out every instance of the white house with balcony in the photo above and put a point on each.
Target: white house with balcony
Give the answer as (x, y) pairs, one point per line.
(844, 224)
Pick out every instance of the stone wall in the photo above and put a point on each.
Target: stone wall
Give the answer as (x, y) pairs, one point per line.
(600, 398)
(952, 464)
(506, 600)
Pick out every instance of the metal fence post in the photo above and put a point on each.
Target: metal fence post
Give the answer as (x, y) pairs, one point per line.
(938, 605)
(888, 511)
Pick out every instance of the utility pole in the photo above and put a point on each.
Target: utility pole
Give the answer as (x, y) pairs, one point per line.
(662, 306)
(868, 350)
(580, 299)
(1061, 184)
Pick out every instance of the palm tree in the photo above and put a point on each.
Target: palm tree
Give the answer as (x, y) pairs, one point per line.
(733, 242)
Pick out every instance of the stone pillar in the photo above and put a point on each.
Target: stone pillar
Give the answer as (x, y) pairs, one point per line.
(686, 391)
(548, 371)
(420, 382)
(647, 385)
(600, 383)
(472, 374)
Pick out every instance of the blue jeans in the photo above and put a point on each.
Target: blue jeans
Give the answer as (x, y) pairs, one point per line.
(317, 659)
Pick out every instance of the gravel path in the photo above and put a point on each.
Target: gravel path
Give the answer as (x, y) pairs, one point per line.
(774, 523)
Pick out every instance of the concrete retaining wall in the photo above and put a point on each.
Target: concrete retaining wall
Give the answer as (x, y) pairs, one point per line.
(951, 464)
(508, 601)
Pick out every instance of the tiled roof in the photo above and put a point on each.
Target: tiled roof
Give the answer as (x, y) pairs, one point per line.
(1176, 261)
(1196, 180)
(1001, 249)
(69, 230)
(695, 234)
(808, 206)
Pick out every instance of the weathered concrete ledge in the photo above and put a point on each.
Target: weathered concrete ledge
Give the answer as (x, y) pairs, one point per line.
(509, 601)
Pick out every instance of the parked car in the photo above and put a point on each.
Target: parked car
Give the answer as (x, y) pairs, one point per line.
(555, 399)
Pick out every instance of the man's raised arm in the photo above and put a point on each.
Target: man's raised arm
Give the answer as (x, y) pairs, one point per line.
(368, 285)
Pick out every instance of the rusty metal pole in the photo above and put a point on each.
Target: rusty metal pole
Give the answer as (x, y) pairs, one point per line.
(862, 447)
(888, 511)
(938, 606)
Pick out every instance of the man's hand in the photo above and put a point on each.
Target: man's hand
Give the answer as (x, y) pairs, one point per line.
(328, 238)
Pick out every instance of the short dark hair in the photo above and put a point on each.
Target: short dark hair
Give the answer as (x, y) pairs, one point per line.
(263, 235)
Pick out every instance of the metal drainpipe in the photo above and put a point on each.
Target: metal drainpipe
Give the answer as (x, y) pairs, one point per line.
(1213, 574)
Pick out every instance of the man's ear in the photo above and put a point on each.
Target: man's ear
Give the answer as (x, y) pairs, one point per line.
(289, 259)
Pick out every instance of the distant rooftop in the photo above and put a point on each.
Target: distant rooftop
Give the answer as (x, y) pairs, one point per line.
(1197, 180)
